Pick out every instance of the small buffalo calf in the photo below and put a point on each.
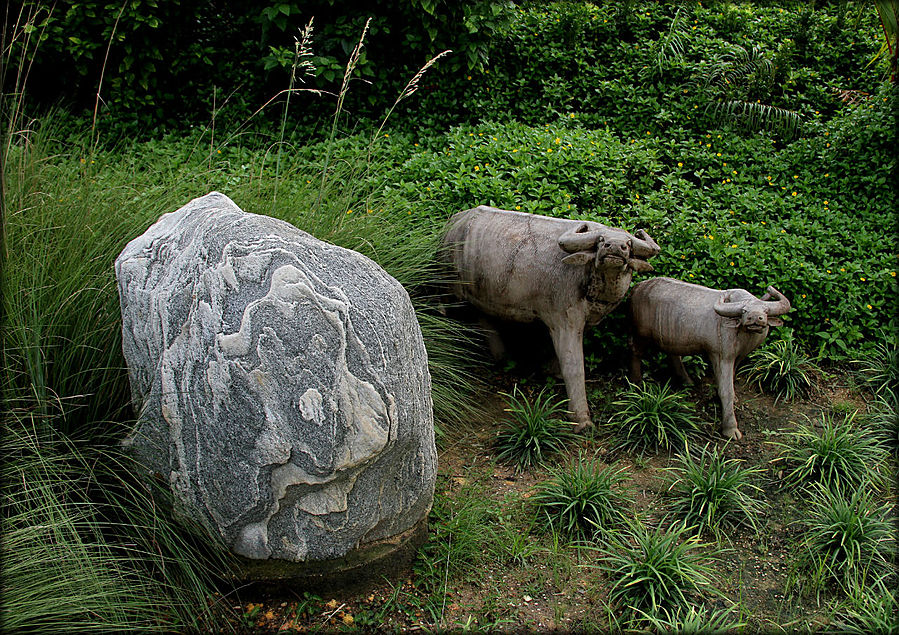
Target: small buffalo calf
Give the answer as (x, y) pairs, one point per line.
(685, 319)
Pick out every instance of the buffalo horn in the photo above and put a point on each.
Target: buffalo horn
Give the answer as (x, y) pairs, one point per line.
(643, 245)
(728, 309)
(579, 239)
(779, 305)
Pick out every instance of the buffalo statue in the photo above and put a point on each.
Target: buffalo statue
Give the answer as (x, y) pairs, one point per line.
(685, 319)
(565, 273)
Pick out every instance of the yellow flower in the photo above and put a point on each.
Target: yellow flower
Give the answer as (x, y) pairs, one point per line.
(826, 174)
(803, 295)
(793, 194)
(869, 306)
(549, 149)
(717, 154)
(691, 275)
(893, 273)
(825, 202)
(843, 269)
(477, 167)
(863, 279)
(679, 164)
(349, 211)
(731, 263)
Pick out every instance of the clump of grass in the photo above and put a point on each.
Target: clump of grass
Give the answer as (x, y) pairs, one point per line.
(712, 492)
(651, 417)
(880, 369)
(582, 498)
(882, 419)
(696, 621)
(536, 429)
(652, 570)
(842, 454)
(848, 538)
(869, 608)
(782, 369)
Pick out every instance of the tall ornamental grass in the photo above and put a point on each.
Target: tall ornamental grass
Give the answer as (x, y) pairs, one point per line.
(87, 548)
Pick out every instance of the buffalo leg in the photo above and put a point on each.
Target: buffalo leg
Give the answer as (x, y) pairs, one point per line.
(638, 348)
(677, 364)
(724, 376)
(569, 345)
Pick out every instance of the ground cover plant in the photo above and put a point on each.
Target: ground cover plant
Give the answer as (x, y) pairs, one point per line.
(753, 141)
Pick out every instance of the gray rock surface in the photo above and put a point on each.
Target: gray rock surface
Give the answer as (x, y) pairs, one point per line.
(281, 383)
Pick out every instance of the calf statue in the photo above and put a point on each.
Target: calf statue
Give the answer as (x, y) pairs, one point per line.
(566, 273)
(685, 319)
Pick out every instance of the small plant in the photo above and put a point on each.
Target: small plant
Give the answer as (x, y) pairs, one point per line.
(536, 430)
(848, 537)
(714, 493)
(882, 419)
(652, 570)
(870, 608)
(652, 416)
(582, 498)
(463, 532)
(693, 620)
(782, 369)
(880, 369)
(841, 454)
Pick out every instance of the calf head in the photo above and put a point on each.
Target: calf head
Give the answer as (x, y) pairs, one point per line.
(753, 314)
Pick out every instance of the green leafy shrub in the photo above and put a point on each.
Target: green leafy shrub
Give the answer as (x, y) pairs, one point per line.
(711, 492)
(848, 537)
(781, 368)
(842, 454)
(654, 569)
(537, 428)
(650, 417)
(582, 498)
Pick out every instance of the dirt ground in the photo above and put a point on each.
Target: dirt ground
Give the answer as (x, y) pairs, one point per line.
(557, 592)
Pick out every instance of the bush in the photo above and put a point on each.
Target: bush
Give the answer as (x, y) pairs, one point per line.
(581, 498)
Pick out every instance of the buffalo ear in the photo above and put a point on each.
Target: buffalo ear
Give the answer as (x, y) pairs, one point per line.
(579, 258)
(640, 266)
(775, 321)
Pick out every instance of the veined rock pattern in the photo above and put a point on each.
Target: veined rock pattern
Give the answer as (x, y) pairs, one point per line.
(281, 383)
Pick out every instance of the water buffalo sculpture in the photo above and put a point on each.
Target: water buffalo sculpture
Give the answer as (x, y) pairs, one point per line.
(568, 274)
(685, 319)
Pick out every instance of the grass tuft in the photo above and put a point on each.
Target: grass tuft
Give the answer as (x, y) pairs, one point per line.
(537, 429)
(652, 570)
(842, 454)
(848, 537)
(712, 492)
(582, 498)
(782, 369)
(880, 369)
(652, 417)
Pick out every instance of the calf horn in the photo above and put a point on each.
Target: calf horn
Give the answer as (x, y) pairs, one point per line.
(779, 304)
(579, 238)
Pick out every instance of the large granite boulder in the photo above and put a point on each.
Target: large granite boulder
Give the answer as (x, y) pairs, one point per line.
(281, 384)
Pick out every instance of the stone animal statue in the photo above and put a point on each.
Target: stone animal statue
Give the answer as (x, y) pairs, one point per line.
(685, 319)
(568, 274)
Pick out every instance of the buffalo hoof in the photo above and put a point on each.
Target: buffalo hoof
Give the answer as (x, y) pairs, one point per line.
(732, 433)
(583, 425)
